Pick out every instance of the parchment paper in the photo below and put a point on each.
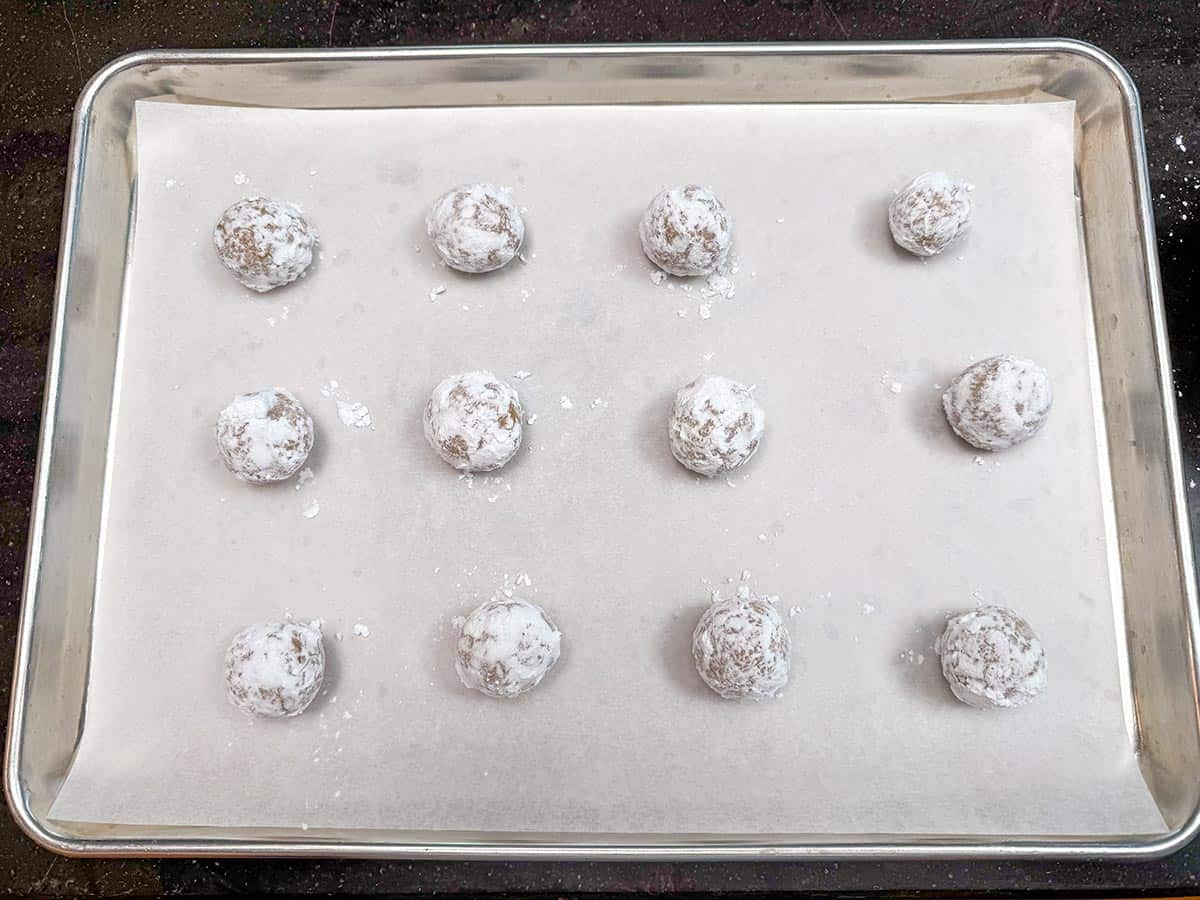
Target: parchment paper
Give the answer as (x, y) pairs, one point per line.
(862, 511)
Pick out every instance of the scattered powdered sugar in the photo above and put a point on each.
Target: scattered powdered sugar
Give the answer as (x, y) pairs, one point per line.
(361, 630)
(241, 178)
(718, 284)
(895, 387)
(306, 475)
(352, 413)
(565, 402)
(599, 403)
(867, 608)
(436, 291)
(311, 510)
(913, 657)
(521, 374)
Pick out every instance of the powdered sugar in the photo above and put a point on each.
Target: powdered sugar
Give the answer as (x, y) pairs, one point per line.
(351, 413)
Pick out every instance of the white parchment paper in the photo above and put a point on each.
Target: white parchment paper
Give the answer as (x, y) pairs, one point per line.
(862, 511)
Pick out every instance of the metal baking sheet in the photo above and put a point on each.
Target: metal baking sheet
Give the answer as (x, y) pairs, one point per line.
(621, 747)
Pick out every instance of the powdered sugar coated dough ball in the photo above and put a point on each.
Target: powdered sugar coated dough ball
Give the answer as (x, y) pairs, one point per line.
(473, 421)
(930, 213)
(475, 228)
(742, 648)
(505, 647)
(716, 425)
(264, 436)
(275, 669)
(686, 231)
(999, 402)
(264, 243)
(991, 658)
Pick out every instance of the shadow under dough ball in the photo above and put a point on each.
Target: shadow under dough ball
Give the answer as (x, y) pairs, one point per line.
(474, 421)
(742, 649)
(264, 436)
(992, 659)
(505, 647)
(998, 402)
(275, 669)
(264, 243)
(686, 231)
(475, 228)
(930, 213)
(716, 425)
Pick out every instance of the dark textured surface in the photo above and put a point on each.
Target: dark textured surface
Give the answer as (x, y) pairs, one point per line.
(49, 48)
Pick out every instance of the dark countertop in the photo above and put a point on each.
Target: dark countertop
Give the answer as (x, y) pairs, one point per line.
(52, 47)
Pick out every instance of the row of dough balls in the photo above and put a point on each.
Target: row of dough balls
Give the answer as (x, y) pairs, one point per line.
(477, 228)
(990, 656)
(474, 421)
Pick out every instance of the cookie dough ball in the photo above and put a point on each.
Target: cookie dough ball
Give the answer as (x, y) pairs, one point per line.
(686, 231)
(992, 658)
(473, 421)
(999, 402)
(716, 425)
(275, 669)
(264, 243)
(265, 436)
(930, 213)
(742, 648)
(475, 228)
(505, 647)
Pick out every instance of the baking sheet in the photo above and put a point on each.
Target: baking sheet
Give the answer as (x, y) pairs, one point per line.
(861, 511)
